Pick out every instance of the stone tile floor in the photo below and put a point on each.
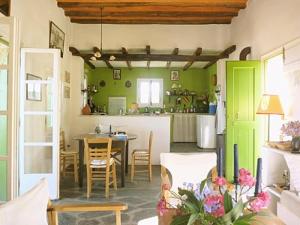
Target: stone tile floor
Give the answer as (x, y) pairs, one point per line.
(141, 197)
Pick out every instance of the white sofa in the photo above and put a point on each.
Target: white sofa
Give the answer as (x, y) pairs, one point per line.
(288, 208)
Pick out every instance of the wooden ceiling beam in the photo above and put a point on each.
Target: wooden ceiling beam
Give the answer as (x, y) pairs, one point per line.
(148, 14)
(222, 55)
(148, 51)
(246, 51)
(108, 64)
(121, 3)
(153, 57)
(152, 11)
(85, 58)
(125, 52)
(175, 52)
(190, 63)
(152, 20)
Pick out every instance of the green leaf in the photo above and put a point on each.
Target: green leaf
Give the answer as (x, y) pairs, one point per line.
(227, 202)
(192, 208)
(190, 198)
(180, 220)
(192, 219)
(234, 214)
(241, 222)
(202, 185)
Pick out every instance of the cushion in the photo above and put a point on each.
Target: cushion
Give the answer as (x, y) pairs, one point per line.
(30, 208)
(97, 163)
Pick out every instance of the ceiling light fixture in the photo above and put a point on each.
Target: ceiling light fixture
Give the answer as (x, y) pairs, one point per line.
(97, 51)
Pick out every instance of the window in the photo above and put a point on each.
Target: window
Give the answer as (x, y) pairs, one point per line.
(150, 92)
(276, 84)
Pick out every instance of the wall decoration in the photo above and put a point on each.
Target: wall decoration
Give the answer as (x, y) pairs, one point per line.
(128, 84)
(33, 90)
(67, 92)
(174, 75)
(214, 80)
(56, 38)
(67, 77)
(116, 74)
(102, 83)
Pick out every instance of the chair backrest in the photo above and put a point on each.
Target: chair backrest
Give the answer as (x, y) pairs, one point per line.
(94, 151)
(62, 143)
(186, 168)
(150, 142)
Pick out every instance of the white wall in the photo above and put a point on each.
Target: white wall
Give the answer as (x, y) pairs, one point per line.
(159, 37)
(34, 17)
(265, 25)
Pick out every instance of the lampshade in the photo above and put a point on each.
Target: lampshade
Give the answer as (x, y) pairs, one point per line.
(270, 104)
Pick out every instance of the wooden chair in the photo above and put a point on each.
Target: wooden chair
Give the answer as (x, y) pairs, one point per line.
(142, 155)
(99, 163)
(68, 158)
(53, 210)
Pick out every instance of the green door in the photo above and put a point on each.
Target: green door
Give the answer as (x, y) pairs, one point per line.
(243, 95)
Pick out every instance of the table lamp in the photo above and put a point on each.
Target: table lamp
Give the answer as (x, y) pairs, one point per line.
(270, 105)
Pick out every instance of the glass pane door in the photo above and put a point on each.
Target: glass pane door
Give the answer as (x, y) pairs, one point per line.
(6, 55)
(39, 124)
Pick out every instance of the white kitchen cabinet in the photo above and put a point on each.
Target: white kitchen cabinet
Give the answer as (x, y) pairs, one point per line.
(184, 127)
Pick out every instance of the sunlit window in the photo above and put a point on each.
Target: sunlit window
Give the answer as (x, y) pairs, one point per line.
(276, 84)
(150, 92)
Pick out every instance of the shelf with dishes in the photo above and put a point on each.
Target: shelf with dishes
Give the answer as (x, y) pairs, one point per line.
(181, 94)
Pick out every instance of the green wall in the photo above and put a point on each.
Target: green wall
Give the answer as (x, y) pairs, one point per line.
(197, 80)
(211, 71)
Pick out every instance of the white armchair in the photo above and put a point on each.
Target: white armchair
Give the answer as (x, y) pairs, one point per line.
(179, 168)
(34, 208)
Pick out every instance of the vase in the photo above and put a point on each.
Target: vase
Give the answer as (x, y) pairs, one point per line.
(296, 144)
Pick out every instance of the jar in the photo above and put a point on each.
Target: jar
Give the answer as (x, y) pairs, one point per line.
(296, 144)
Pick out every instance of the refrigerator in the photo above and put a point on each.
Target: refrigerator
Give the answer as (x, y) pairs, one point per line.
(206, 131)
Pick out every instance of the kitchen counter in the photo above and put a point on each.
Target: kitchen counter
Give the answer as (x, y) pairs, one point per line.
(139, 124)
(150, 114)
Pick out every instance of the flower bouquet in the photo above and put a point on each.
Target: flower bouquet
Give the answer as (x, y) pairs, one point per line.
(215, 201)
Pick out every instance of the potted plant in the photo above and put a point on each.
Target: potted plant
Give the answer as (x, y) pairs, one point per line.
(292, 129)
(214, 201)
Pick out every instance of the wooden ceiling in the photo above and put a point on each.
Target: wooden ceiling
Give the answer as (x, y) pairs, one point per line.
(152, 11)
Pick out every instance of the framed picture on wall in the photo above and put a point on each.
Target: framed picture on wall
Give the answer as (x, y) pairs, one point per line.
(67, 91)
(116, 74)
(33, 90)
(56, 38)
(174, 75)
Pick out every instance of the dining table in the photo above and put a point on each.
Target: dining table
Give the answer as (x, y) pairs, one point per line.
(122, 141)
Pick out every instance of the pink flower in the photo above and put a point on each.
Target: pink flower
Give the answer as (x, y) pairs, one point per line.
(245, 178)
(261, 201)
(219, 212)
(161, 206)
(265, 197)
(214, 204)
(220, 181)
(256, 205)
